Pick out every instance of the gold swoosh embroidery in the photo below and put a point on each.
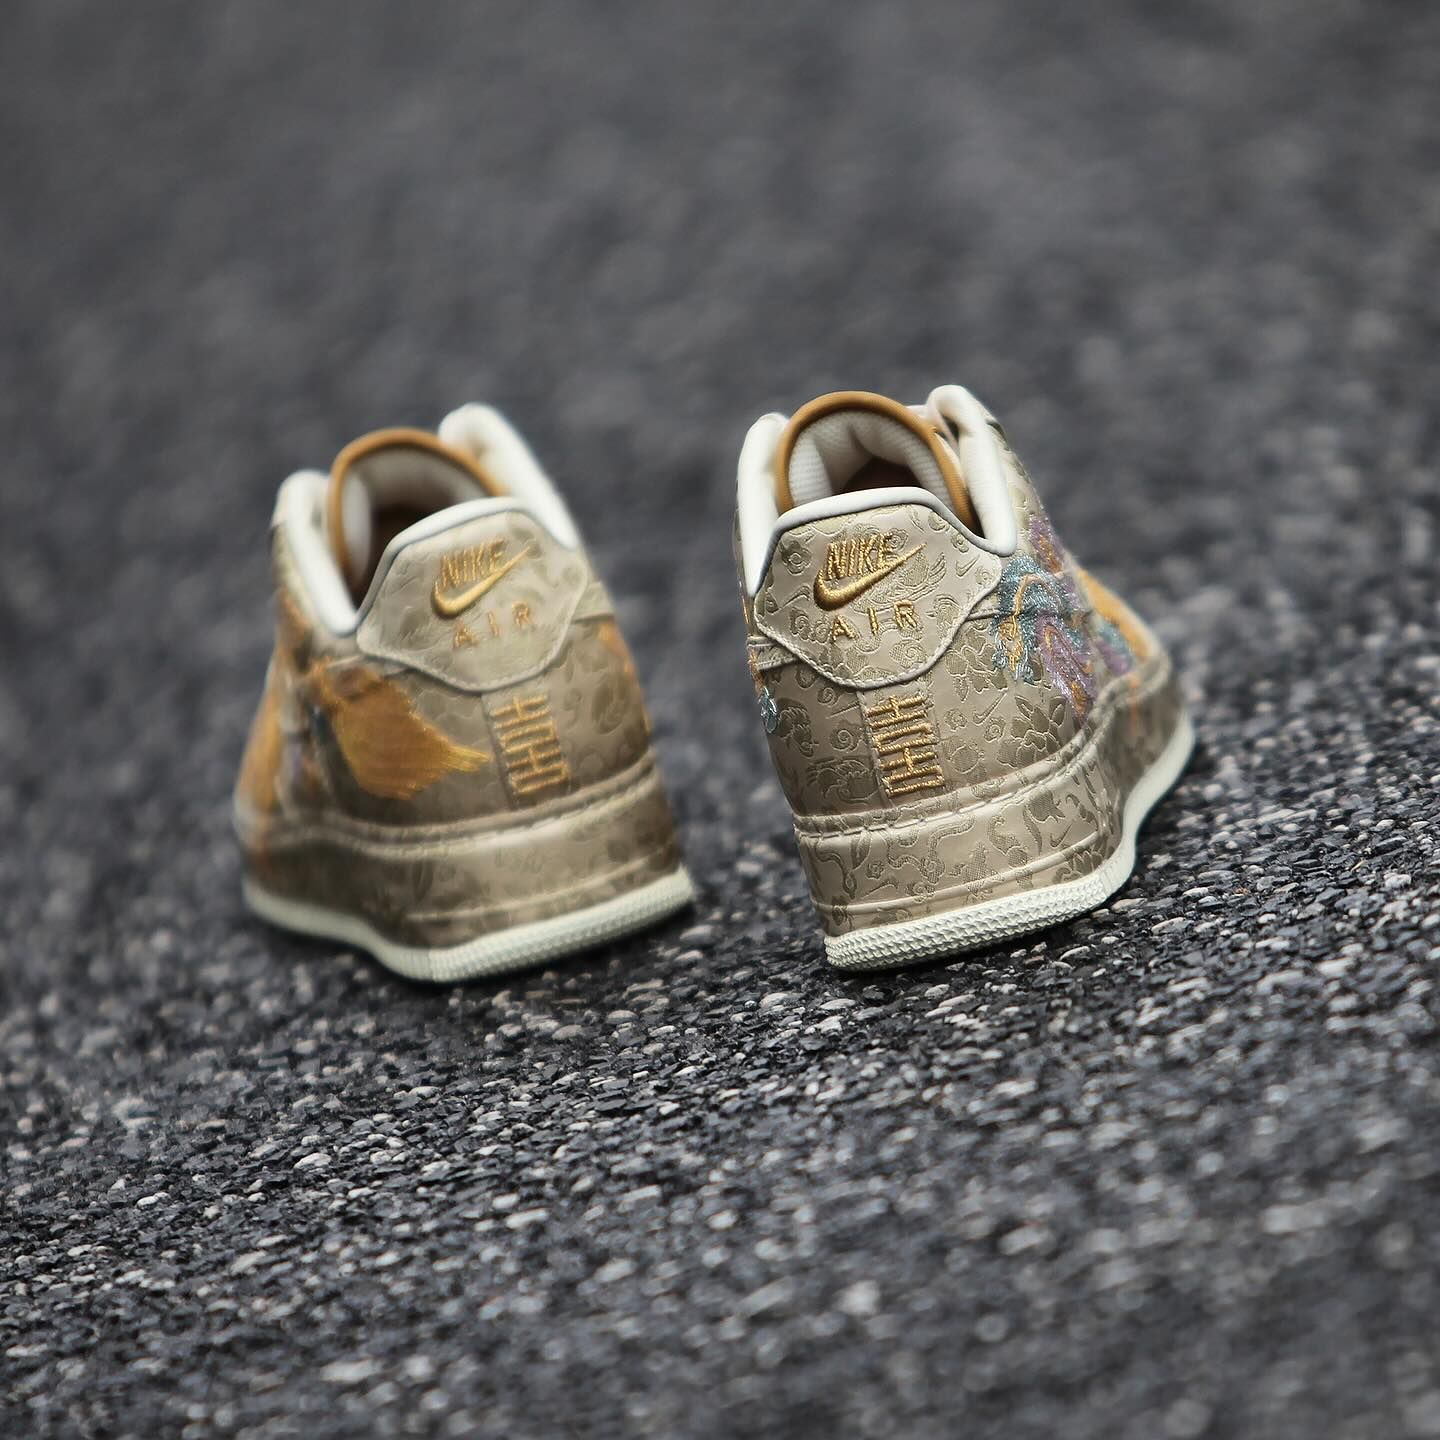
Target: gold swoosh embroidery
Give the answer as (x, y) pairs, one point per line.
(452, 605)
(832, 597)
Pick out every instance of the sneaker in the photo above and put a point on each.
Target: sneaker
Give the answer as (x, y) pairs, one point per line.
(451, 764)
(968, 727)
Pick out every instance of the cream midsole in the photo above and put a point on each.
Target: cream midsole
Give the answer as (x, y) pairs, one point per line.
(1060, 825)
(904, 942)
(506, 950)
(431, 891)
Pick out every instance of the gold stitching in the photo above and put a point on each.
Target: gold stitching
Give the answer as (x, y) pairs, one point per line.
(904, 743)
(530, 745)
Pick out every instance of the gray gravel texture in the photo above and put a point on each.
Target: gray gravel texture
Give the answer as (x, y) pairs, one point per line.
(1165, 1173)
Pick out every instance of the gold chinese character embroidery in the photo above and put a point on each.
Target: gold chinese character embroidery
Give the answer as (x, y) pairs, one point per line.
(530, 745)
(904, 744)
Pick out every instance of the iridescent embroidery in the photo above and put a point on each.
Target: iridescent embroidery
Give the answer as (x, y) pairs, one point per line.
(1119, 639)
(1047, 623)
(1039, 626)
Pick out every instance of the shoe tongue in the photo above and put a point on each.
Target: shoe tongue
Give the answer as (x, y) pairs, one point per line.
(385, 481)
(853, 440)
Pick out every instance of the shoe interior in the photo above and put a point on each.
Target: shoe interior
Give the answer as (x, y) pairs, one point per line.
(384, 483)
(877, 474)
(852, 441)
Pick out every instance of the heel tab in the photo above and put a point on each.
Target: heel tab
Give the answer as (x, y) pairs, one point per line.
(872, 594)
(481, 602)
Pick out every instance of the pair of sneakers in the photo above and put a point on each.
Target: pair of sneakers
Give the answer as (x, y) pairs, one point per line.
(451, 765)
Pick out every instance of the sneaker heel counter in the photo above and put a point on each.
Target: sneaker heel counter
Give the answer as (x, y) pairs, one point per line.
(504, 640)
(581, 722)
(854, 615)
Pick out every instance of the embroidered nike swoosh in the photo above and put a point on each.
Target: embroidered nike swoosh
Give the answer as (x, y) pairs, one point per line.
(832, 597)
(452, 605)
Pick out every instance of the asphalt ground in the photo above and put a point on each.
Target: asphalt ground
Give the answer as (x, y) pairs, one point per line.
(1168, 1172)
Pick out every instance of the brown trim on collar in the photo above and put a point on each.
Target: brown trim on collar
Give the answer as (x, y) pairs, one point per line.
(839, 400)
(395, 438)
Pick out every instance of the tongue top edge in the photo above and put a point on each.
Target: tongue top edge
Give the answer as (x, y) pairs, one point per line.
(857, 427)
(393, 466)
